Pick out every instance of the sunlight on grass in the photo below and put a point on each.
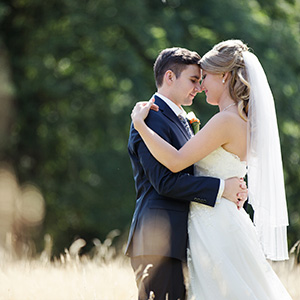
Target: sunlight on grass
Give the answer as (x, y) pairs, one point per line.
(69, 280)
(107, 277)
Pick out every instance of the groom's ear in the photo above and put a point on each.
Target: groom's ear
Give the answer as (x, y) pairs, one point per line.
(169, 77)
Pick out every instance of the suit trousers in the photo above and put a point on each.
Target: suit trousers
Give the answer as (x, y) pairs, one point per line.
(158, 275)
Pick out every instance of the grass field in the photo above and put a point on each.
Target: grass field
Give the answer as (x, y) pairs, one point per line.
(73, 279)
(70, 280)
(103, 277)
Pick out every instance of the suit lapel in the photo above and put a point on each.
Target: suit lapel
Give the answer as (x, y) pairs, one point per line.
(168, 112)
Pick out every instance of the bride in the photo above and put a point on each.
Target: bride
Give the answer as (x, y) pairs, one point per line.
(242, 138)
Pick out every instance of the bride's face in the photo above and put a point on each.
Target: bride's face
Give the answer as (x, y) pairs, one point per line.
(213, 87)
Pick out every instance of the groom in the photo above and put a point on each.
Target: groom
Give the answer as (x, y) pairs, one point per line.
(158, 235)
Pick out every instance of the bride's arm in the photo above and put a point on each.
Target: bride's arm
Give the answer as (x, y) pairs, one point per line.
(213, 135)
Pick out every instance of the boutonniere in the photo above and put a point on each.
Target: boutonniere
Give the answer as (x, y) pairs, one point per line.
(194, 121)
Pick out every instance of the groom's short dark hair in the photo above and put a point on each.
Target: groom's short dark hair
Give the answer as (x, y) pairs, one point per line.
(175, 59)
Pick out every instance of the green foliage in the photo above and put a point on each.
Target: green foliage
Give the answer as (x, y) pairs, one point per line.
(78, 68)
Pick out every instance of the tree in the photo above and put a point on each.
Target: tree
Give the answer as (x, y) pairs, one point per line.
(78, 67)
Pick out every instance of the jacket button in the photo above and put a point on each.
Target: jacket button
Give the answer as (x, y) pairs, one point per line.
(200, 200)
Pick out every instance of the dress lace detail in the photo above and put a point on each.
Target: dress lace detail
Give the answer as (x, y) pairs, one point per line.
(225, 259)
(221, 163)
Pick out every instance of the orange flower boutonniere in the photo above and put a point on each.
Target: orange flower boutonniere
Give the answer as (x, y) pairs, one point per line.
(194, 121)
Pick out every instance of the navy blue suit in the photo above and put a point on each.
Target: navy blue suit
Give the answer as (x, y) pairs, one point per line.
(159, 224)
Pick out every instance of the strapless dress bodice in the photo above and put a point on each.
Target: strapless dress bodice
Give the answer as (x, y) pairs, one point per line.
(222, 164)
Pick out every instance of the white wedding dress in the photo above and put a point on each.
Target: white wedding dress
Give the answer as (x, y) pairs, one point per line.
(225, 259)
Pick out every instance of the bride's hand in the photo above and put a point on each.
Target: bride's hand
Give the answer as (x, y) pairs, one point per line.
(141, 111)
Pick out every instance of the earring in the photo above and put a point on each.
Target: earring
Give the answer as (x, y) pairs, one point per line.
(223, 81)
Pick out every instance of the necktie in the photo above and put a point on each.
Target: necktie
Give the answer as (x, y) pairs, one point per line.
(186, 125)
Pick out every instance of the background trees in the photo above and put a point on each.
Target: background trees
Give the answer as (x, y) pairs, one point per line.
(72, 70)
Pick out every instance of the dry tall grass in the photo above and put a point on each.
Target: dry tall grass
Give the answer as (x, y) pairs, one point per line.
(69, 279)
(103, 277)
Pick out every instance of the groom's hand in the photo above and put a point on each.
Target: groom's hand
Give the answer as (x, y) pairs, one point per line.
(236, 191)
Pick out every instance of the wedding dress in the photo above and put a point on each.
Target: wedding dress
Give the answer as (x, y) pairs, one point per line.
(225, 259)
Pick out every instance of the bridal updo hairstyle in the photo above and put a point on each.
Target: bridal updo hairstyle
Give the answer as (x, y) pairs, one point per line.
(174, 59)
(225, 57)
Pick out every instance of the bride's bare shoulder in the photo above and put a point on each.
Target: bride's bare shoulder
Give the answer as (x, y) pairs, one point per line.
(228, 124)
(228, 118)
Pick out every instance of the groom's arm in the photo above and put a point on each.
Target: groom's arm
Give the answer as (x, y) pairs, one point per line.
(181, 186)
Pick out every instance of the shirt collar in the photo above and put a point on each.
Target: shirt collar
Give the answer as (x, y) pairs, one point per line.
(177, 110)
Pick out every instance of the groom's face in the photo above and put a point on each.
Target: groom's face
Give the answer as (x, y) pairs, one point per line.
(185, 87)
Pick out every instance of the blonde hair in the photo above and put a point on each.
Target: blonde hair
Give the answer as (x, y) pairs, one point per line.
(226, 57)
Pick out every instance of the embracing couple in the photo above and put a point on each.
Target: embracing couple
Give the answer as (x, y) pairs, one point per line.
(190, 191)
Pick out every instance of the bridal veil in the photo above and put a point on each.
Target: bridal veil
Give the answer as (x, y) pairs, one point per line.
(265, 171)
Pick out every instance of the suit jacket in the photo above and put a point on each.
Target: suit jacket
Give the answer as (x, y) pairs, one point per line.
(159, 224)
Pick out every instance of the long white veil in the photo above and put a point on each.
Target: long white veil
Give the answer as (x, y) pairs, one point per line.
(265, 172)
